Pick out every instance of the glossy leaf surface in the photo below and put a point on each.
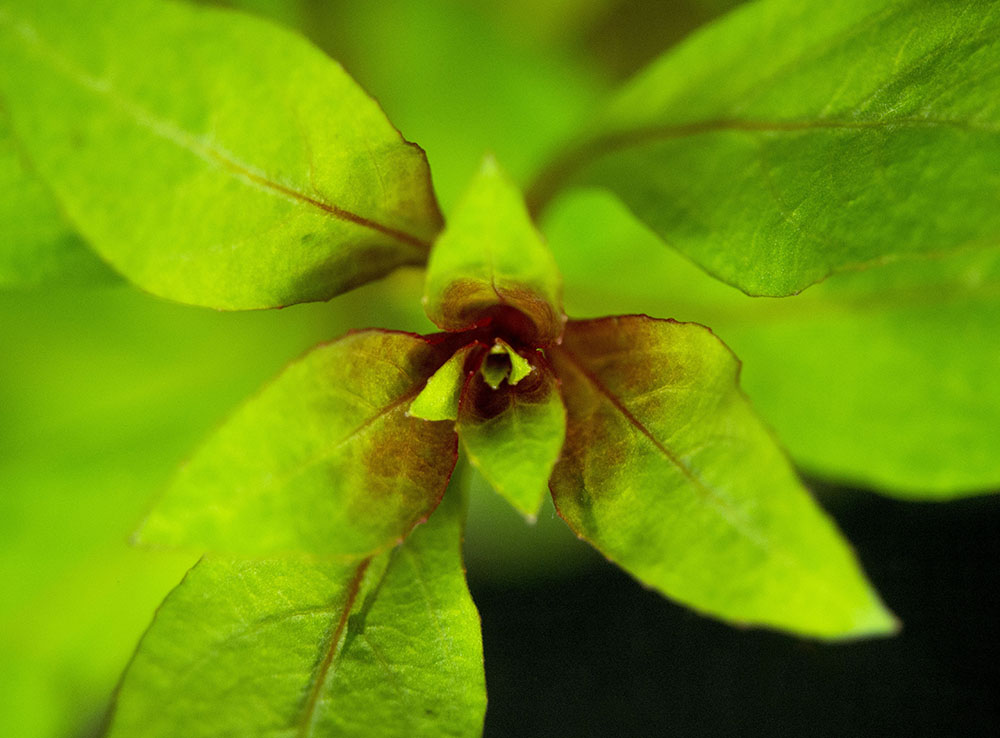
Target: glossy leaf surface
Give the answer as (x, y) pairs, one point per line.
(324, 460)
(789, 140)
(490, 258)
(387, 647)
(37, 246)
(668, 472)
(211, 157)
(883, 378)
(513, 434)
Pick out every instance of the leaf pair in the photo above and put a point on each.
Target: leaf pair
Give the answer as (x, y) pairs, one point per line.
(665, 468)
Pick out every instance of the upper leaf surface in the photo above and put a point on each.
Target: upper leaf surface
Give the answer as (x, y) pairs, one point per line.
(37, 246)
(388, 647)
(513, 433)
(491, 258)
(791, 140)
(667, 471)
(211, 157)
(324, 460)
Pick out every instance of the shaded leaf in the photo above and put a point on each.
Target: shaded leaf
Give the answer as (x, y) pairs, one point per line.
(211, 157)
(37, 246)
(439, 398)
(490, 261)
(503, 364)
(668, 472)
(883, 378)
(513, 433)
(323, 461)
(773, 158)
(387, 647)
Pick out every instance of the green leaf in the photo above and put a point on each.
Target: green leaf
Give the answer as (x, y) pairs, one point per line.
(37, 246)
(883, 378)
(792, 140)
(502, 363)
(439, 398)
(211, 157)
(323, 461)
(668, 472)
(491, 260)
(512, 433)
(387, 647)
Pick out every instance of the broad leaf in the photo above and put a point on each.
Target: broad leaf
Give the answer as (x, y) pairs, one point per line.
(36, 245)
(513, 433)
(387, 647)
(491, 261)
(667, 471)
(439, 398)
(791, 140)
(325, 460)
(211, 157)
(884, 378)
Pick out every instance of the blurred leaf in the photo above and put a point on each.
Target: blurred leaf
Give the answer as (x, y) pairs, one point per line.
(458, 81)
(37, 246)
(324, 460)
(669, 473)
(513, 433)
(490, 259)
(438, 400)
(790, 140)
(387, 647)
(211, 157)
(884, 378)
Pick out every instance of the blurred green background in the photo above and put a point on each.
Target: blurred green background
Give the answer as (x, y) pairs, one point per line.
(103, 392)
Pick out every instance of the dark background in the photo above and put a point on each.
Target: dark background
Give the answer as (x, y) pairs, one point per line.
(596, 654)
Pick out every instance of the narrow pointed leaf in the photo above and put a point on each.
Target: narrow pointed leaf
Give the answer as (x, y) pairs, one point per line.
(490, 259)
(791, 140)
(323, 461)
(668, 471)
(211, 157)
(513, 434)
(37, 246)
(385, 648)
(439, 398)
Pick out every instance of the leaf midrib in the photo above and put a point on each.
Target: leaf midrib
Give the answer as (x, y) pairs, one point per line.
(326, 665)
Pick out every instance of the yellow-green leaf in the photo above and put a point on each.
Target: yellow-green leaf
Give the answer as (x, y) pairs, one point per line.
(385, 648)
(37, 246)
(667, 470)
(512, 433)
(492, 264)
(325, 460)
(791, 140)
(211, 157)
(439, 398)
